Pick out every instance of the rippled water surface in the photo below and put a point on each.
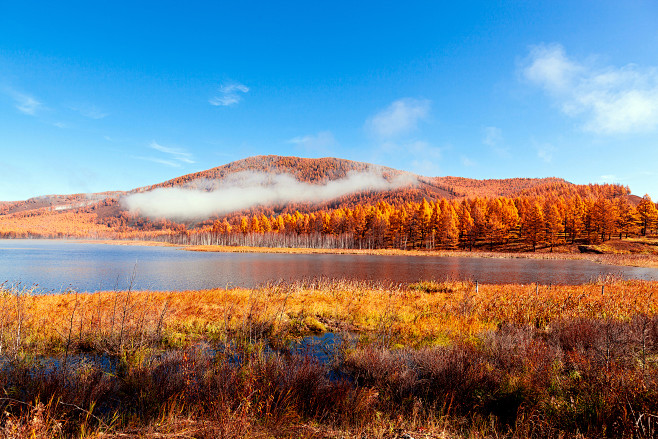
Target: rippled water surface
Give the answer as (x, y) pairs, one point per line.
(60, 265)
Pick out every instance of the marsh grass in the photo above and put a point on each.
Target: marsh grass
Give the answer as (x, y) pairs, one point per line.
(431, 359)
(634, 252)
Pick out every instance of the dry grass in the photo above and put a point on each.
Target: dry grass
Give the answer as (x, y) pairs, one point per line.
(425, 313)
(432, 359)
(634, 252)
(640, 257)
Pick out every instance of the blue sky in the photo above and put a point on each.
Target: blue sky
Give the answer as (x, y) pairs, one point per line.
(104, 95)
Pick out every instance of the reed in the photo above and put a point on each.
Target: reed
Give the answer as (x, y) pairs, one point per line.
(430, 359)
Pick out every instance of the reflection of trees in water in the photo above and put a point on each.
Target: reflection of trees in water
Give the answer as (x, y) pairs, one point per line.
(108, 267)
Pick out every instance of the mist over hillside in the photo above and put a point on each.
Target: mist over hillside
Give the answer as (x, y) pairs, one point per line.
(263, 185)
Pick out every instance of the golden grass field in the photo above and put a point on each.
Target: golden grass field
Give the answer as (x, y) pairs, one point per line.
(420, 314)
(426, 360)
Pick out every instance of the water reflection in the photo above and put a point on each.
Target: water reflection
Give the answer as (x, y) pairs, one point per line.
(58, 265)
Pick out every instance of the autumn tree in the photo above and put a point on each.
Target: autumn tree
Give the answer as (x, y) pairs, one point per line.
(533, 224)
(221, 227)
(398, 221)
(479, 215)
(626, 217)
(254, 226)
(465, 222)
(553, 225)
(447, 230)
(244, 225)
(603, 217)
(647, 213)
(509, 217)
(573, 217)
(423, 222)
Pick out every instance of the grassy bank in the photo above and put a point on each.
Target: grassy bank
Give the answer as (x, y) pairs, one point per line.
(639, 252)
(606, 254)
(426, 360)
(634, 252)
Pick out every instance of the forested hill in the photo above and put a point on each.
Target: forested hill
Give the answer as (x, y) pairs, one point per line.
(303, 169)
(321, 170)
(349, 184)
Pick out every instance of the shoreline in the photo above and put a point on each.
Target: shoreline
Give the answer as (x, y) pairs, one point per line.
(623, 259)
(189, 351)
(629, 260)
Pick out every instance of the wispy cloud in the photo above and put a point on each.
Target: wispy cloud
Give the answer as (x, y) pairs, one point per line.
(201, 199)
(467, 162)
(229, 94)
(175, 154)
(545, 152)
(493, 138)
(321, 142)
(160, 161)
(89, 111)
(609, 178)
(23, 102)
(399, 118)
(608, 100)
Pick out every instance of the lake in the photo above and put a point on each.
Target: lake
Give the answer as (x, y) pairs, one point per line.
(54, 266)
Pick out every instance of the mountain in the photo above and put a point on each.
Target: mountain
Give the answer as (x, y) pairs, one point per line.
(322, 170)
(289, 182)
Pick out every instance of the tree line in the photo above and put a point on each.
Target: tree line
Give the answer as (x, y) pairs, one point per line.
(521, 223)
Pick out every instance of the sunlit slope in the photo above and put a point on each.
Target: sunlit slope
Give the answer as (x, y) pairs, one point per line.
(71, 215)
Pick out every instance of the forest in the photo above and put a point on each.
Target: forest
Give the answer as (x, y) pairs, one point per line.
(523, 223)
(430, 213)
(583, 214)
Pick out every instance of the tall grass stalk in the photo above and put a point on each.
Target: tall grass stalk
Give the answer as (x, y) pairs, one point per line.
(502, 361)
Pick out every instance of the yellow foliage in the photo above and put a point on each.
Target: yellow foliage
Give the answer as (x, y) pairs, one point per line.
(410, 315)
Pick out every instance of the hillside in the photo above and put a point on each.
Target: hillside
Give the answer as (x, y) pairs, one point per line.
(263, 185)
(315, 171)
(322, 170)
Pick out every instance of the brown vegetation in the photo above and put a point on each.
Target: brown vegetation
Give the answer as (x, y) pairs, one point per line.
(512, 215)
(427, 360)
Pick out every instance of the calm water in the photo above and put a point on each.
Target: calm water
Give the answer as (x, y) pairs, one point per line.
(60, 265)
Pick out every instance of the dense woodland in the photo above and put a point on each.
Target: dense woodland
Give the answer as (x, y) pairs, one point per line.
(519, 214)
(522, 223)
(498, 223)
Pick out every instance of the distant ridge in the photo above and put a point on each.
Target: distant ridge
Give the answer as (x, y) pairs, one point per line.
(303, 169)
(107, 207)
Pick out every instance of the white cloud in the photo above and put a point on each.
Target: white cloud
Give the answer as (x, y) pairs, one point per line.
(401, 117)
(203, 198)
(229, 94)
(24, 103)
(467, 162)
(609, 178)
(608, 100)
(176, 154)
(320, 142)
(89, 111)
(493, 138)
(165, 162)
(550, 68)
(545, 152)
